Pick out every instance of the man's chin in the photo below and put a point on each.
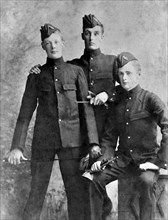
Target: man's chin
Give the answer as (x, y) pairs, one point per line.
(92, 48)
(54, 56)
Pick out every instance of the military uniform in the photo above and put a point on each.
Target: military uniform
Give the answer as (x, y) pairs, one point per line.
(54, 94)
(134, 121)
(98, 69)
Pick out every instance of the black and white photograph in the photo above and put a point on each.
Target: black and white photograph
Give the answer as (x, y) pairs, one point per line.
(84, 110)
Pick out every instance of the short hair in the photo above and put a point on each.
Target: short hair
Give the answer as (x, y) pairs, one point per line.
(137, 66)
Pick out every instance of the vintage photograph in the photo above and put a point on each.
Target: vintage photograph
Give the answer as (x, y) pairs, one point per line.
(84, 100)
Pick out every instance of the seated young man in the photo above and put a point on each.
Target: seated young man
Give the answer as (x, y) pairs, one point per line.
(133, 121)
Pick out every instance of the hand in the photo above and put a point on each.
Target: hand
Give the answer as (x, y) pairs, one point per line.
(84, 163)
(95, 152)
(96, 167)
(35, 69)
(15, 156)
(148, 166)
(99, 99)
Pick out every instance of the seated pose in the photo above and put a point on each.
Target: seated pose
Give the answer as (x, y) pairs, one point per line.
(55, 92)
(133, 125)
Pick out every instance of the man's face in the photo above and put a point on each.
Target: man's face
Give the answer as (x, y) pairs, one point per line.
(92, 37)
(129, 76)
(53, 45)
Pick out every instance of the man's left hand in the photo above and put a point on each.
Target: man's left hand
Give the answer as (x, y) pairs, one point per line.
(95, 152)
(148, 166)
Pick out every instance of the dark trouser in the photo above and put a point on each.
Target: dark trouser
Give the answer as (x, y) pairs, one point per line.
(73, 182)
(146, 186)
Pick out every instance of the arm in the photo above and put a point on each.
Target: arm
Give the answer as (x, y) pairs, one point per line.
(159, 111)
(109, 141)
(28, 105)
(87, 110)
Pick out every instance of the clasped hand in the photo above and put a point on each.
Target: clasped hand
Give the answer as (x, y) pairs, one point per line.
(98, 99)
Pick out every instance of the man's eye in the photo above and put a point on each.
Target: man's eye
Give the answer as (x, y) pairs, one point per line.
(96, 33)
(47, 43)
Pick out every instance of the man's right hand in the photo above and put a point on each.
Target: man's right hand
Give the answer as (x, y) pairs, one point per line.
(15, 156)
(35, 69)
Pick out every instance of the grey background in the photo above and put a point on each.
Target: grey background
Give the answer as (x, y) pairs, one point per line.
(136, 26)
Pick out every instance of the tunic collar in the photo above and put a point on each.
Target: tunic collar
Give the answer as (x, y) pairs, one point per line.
(133, 91)
(55, 62)
(91, 53)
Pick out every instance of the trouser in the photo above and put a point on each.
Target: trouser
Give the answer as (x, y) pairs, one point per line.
(73, 182)
(146, 186)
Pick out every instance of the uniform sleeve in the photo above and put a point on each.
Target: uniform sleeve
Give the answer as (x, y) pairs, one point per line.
(159, 111)
(28, 105)
(88, 112)
(111, 90)
(109, 139)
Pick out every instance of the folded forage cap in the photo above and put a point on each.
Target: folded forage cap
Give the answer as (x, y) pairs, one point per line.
(90, 21)
(47, 30)
(124, 58)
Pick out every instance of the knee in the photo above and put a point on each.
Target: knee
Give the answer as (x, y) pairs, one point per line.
(147, 179)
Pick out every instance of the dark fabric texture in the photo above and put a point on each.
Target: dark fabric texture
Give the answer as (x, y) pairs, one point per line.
(134, 121)
(99, 71)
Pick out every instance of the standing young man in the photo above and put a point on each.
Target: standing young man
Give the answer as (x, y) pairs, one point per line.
(54, 93)
(134, 122)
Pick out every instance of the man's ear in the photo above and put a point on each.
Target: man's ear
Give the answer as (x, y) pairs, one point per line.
(82, 36)
(43, 45)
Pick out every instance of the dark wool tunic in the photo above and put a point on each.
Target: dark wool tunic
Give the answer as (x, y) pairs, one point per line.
(54, 93)
(134, 121)
(99, 71)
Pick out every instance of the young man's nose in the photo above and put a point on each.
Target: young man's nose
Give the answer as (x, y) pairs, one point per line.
(53, 45)
(92, 36)
(124, 76)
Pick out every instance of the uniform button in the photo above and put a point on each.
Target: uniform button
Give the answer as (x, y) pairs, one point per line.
(127, 123)
(129, 137)
(131, 151)
(130, 98)
(91, 58)
(58, 92)
(127, 110)
(60, 120)
(91, 70)
(92, 83)
(55, 68)
(56, 79)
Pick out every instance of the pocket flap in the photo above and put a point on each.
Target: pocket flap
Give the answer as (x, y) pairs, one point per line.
(104, 75)
(69, 86)
(139, 115)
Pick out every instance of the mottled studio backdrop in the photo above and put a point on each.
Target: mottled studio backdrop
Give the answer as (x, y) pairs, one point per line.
(136, 26)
